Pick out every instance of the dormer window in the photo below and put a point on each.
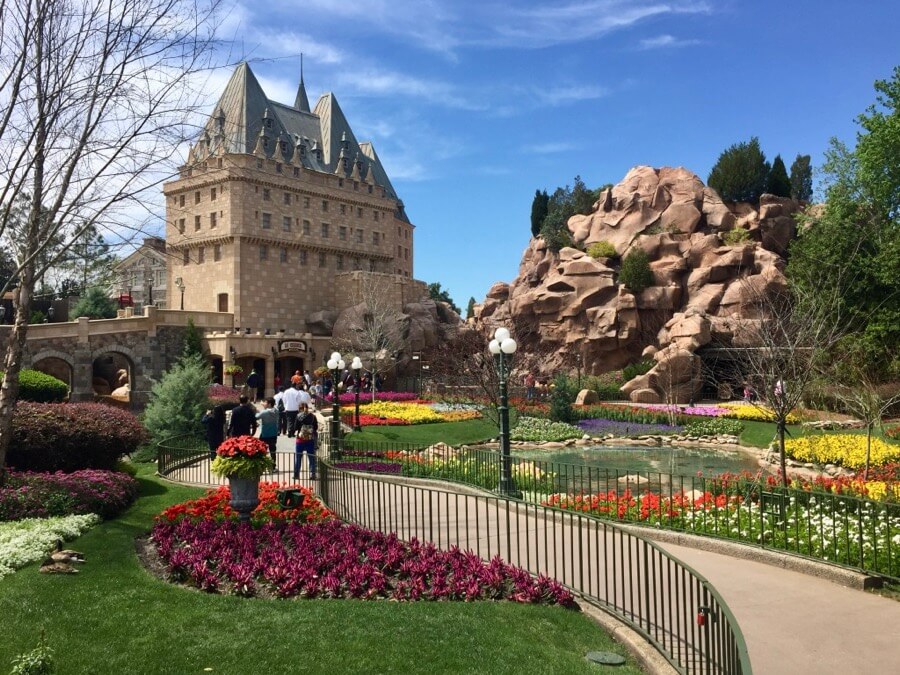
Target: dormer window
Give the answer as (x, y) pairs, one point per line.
(268, 123)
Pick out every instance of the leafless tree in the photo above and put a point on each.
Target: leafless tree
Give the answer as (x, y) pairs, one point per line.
(783, 346)
(96, 99)
(377, 332)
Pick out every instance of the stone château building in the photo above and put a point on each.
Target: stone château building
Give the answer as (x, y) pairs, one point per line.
(278, 215)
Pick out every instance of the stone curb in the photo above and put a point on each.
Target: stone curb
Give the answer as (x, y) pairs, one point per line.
(842, 577)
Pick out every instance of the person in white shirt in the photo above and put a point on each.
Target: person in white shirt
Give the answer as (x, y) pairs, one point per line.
(305, 398)
(292, 402)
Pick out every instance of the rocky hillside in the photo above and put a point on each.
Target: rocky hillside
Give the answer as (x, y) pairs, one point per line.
(707, 258)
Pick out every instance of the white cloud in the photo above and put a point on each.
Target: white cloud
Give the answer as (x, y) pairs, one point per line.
(666, 42)
(571, 94)
(548, 148)
(379, 82)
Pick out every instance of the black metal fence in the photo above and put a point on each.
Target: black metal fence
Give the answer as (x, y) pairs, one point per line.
(669, 603)
(851, 532)
(666, 601)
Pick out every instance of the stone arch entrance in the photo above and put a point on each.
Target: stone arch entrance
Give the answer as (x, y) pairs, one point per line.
(56, 364)
(112, 375)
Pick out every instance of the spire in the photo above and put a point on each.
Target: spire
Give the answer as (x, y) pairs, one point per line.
(357, 163)
(301, 103)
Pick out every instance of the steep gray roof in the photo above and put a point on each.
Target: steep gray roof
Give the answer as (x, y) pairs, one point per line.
(244, 115)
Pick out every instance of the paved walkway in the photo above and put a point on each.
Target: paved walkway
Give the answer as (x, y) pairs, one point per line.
(792, 623)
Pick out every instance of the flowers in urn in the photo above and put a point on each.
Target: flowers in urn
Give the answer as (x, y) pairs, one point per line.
(242, 457)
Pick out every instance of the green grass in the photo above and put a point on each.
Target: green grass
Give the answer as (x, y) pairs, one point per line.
(760, 434)
(115, 617)
(452, 433)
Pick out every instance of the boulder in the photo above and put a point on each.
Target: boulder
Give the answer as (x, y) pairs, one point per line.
(586, 397)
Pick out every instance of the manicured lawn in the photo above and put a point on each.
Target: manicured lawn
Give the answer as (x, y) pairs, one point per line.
(115, 617)
(452, 433)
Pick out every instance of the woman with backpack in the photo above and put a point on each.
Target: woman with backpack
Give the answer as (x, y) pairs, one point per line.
(307, 435)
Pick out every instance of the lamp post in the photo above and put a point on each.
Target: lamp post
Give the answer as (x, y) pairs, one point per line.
(356, 366)
(336, 366)
(2, 314)
(179, 284)
(50, 312)
(503, 347)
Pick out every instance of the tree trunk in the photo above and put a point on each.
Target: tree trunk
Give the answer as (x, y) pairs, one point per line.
(9, 391)
(781, 453)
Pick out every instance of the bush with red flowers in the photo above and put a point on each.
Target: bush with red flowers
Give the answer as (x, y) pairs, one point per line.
(44, 495)
(71, 436)
(242, 457)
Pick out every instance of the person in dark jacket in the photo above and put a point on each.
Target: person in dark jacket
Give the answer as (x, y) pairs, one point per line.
(243, 419)
(214, 423)
(307, 435)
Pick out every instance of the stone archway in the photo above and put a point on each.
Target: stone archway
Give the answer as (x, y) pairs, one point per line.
(57, 364)
(113, 374)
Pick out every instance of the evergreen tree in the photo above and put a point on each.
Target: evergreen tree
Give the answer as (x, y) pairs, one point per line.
(179, 399)
(436, 294)
(741, 173)
(801, 178)
(95, 305)
(538, 211)
(582, 198)
(778, 183)
(470, 308)
(635, 273)
(193, 341)
(561, 399)
(88, 260)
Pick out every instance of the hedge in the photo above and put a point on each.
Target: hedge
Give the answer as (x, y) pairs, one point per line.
(72, 436)
(45, 495)
(40, 387)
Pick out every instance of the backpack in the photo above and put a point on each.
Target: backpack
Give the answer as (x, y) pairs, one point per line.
(280, 405)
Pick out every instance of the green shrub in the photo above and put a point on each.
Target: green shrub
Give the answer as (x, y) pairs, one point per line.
(40, 388)
(179, 399)
(631, 371)
(635, 273)
(714, 426)
(37, 316)
(71, 436)
(95, 305)
(39, 661)
(602, 249)
(736, 237)
(561, 399)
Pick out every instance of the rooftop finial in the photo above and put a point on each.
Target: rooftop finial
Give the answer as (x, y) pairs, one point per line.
(301, 103)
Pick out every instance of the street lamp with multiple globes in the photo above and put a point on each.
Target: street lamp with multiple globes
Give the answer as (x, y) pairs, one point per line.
(336, 366)
(356, 366)
(503, 347)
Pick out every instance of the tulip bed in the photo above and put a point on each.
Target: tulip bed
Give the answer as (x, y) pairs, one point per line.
(389, 413)
(850, 532)
(331, 559)
(848, 450)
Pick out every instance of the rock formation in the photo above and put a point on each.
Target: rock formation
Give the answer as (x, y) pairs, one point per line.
(569, 309)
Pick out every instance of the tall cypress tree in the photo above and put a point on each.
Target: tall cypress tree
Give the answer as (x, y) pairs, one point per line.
(539, 207)
(801, 178)
(778, 184)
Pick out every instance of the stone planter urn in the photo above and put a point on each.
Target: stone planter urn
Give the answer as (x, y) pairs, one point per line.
(244, 496)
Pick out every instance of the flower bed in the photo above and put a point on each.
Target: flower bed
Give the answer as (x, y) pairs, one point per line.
(218, 394)
(746, 411)
(482, 471)
(714, 427)
(370, 466)
(693, 410)
(385, 396)
(214, 505)
(372, 421)
(625, 413)
(602, 427)
(847, 450)
(411, 413)
(540, 430)
(43, 495)
(337, 560)
(29, 540)
(893, 433)
(845, 531)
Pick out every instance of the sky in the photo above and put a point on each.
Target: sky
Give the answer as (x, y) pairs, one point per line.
(473, 105)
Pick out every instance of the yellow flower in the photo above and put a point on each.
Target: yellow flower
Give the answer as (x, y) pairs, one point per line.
(845, 449)
(745, 411)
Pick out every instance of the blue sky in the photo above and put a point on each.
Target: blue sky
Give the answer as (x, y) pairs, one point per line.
(474, 105)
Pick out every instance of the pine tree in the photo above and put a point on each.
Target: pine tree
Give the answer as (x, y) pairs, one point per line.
(470, 308)
(801, 178)
(778, 184)
(193, 341)
(95, 305)
(179, 399)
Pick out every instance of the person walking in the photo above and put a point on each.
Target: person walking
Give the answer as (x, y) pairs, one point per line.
(243, 419)
(282, 416)
(268, 426)
(291, 400)
(253, 384)
(214, 423)
(297, 378)
(307, 435)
